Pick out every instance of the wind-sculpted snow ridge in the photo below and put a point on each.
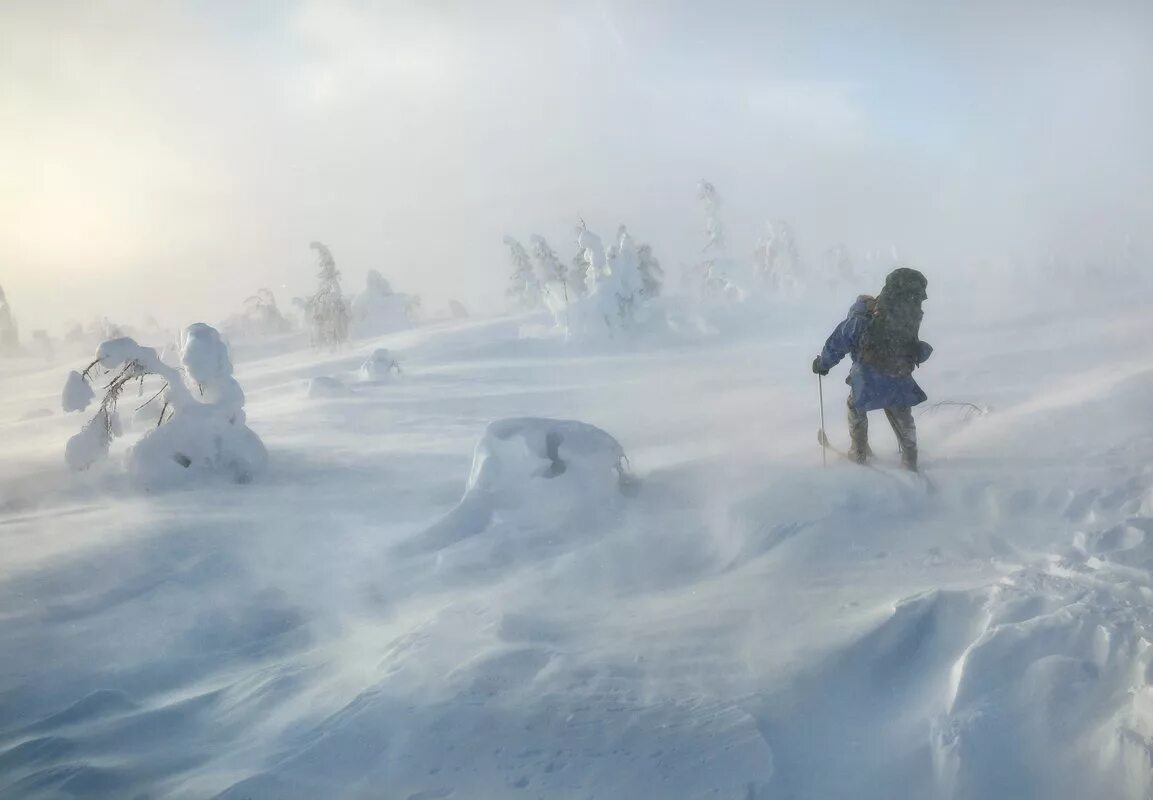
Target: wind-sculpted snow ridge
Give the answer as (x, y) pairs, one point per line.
(206, 433)
(1039, 685)
(521, 717)
(530, 474)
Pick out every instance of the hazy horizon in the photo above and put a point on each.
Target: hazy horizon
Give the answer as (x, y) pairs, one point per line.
(171, 158)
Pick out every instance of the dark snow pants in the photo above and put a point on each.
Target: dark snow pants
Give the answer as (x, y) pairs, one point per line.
(900, 418)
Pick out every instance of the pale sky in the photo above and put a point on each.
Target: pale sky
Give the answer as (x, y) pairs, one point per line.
(170, 158)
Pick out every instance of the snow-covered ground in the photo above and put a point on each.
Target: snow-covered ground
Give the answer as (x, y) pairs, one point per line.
(731, 620)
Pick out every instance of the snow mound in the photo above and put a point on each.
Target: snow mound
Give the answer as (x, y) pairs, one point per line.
(327, 386)
(380, 367)
(535, 474)
(77, 393)
(1037, 686)
(1052, 698)
(197, 441)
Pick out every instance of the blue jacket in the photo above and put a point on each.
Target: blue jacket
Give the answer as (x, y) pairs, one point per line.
(872, 389)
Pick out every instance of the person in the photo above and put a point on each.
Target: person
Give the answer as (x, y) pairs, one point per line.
(883, 337)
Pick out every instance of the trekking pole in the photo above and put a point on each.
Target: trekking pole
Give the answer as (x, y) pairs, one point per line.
(824, 439)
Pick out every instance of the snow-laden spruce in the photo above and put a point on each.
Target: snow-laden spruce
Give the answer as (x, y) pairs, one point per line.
(534, 474)
(717, 277)
(201, 428)
(524, 287)
(379, 310)
(325, 311)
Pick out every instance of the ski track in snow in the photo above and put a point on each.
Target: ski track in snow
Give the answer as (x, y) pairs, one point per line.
(745, 624)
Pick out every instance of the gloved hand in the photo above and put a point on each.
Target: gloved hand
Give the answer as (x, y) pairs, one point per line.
(818, 368)
(924, 351)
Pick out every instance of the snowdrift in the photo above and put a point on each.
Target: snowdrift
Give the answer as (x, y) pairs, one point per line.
(749, 626)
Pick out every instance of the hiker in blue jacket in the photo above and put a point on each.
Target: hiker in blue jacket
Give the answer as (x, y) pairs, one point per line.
(882, 336)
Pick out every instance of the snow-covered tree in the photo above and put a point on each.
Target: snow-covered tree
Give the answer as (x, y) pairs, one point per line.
(524, 286)
(379, 310)
(778, 261)
(715, 276)
(592, 251)
(9, 334)
(260, 317)
(714, 228)
(326, 311)
(554, 273)
(578, 270)
(611, 306)
(652, 276)
(205, 433)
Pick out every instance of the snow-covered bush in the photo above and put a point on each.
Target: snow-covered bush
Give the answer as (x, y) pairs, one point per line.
(524, 287)
(537, 474)
(379, 310)
(77, 393)
(9, 334)
(457, 309)
(379, 367)
(260, 317)
(204, 433)
(325, 311)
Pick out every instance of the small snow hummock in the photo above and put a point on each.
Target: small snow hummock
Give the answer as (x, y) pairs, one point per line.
(379, 367)
(326, 386)
(205, 433)
(542, 472)
(77, 393)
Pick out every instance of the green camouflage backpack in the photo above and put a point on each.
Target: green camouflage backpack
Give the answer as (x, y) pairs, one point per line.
(890, 341)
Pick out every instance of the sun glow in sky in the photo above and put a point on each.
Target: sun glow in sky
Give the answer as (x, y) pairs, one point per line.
(170, 158)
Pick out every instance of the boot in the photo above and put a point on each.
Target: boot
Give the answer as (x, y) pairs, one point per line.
(909, 459)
